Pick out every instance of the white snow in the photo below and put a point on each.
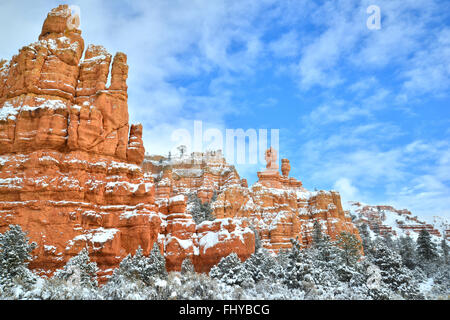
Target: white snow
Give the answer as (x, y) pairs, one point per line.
(178, 198)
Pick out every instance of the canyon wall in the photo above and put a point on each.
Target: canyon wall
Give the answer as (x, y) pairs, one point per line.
(70, 162)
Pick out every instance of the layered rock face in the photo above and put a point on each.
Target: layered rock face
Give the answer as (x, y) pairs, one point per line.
(277, 206)
(206, 243)
(73, 172)
(386, 220)
(280, 209)
(201, 174)
(197, 173)
(70, 161)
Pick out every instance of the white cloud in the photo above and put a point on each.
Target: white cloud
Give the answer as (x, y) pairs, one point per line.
(346, 189)
(286, 46)
(430, 68)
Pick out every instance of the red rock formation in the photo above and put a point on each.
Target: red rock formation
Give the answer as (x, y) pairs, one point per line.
(281, 210)
(199, 173)
(285, 167)
(65, 151)
(70, 161)
(72, 172)
(205, 243)
(388, 220)
(277, 206)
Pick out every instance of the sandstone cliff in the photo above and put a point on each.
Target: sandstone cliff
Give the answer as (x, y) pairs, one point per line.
(73, 172)
(70, 161)
(277, 206)
(387, 220)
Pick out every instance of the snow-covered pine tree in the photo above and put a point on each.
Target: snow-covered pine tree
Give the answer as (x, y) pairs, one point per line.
(187, 267)
(393, 273)
(15, 253)
(231, 271)
(444, 250)
(157, 262)
(201, 211)
(300, 266)
(262, 266)
(79, 271)
(387, 237)
(322, 244)
(351, 247)
(365, 237)
(426, 248)
(317, 233)
(135, 276)
(407, 250)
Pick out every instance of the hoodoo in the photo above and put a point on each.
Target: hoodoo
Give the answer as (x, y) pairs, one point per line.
(70, 161)
(73, 173)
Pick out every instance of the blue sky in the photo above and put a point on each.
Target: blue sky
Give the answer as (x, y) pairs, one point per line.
(365, 112)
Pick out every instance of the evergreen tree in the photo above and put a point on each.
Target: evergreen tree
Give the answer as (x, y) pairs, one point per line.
(365, 237)
(262, 266)
(187, 267)
(15, 254)
(351, 247)
(140, 267)
(79, 271)
(201, 211)
(299, 265)
(444, 249)
(317, 233)
(407, 251)
(387, 238)
(136, 276)
(157, 263)
(231, 271)
(393, 273)
(15, 251)
(426, 248)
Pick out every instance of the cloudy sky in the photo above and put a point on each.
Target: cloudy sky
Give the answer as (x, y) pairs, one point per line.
(362, 111)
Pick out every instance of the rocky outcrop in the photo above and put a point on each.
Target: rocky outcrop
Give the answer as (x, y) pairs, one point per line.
(386, 220)
(70, 171)
(73, 170)
(277, 206)
(205, 244)
(196, 173)
(280, 209)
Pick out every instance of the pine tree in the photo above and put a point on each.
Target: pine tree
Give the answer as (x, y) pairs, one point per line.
(262, 266)
(351, 247)
(426, 248)
(79, 271)
(136, 276)
(444, 249)
(15, 251)
(15, 254)
(394, 274)
(407, 251)
(231, 271)
(365, 237)
(157, 263)
(317, 233)
(139, 267)
(187, 267)
(201, 211)
(387, 238)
